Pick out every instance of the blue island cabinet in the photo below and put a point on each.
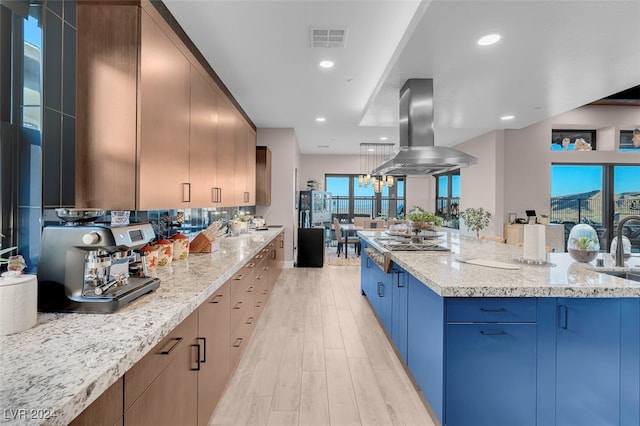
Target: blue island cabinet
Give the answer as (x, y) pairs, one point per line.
(597, 362)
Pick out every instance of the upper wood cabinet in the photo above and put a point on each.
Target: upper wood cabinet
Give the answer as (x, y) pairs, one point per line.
(154, 131)
(263, 176)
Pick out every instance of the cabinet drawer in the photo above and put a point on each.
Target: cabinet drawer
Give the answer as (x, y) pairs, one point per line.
(242, 286)
(141, 375)
(496, 309)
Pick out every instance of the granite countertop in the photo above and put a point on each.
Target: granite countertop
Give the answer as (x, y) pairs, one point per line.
(53, 371)
(445, 274)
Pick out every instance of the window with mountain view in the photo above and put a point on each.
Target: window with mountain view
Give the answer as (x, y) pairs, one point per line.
(599, 195)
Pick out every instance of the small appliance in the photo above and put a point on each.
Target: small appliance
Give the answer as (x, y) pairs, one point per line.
(88, 267)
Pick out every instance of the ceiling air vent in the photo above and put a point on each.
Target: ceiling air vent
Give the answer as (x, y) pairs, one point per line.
(328, 37)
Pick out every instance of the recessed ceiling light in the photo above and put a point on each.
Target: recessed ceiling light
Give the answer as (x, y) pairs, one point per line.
(384, 138)
(323, 146)
(321, 119)
(326, 64)
(489, 39)
(507, 117)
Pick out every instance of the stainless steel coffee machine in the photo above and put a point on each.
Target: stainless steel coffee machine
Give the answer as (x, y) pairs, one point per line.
(87, 267)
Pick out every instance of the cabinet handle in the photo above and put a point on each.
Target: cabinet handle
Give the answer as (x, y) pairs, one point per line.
(367, 263)
(398, 273)
(251, 265)
(259, 304)
(259, 277)
(217, 298)
(237, 305)
(249, 321)
(238, 277)
(237, 343)
(250, 289)
(493, 309)
(380, 289)
(219, 195)
(214, 193)
(186, 192)
(204, 349)
(171, 347)
(563, 316)
(197, 358)
(281, 243)
(246, 197)
(493, 332)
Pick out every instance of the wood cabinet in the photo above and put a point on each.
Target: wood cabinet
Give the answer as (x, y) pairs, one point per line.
(156, 131)
(104, 411)
(263, 176)
(203, 142)
(213, 334)
(242, 310)
(161, 389)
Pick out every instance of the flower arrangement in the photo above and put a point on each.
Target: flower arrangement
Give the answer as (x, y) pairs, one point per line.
(476, 219)
(422, 219)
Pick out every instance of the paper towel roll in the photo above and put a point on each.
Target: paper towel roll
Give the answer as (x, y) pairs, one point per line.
(18, 303)
(534, 243)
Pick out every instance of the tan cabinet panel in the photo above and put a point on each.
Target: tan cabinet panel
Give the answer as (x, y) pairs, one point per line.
(263, 176)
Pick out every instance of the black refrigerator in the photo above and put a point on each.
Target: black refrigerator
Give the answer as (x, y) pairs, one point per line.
(315, 215)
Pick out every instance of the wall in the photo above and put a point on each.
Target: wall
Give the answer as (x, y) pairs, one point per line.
(482, 185)
(285, 157)
(420, 189)
(513, 172)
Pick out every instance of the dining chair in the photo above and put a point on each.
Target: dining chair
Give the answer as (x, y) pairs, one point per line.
(358, 220)
(373, 224)
(342, 241)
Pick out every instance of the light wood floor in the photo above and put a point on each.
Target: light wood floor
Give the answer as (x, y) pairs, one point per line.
(319, 356)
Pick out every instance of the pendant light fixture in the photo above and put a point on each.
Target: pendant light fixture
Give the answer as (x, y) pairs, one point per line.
(371, 156)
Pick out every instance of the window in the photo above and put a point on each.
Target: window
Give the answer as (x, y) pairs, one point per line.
(448, 196)
(348, 199)
(599, 195)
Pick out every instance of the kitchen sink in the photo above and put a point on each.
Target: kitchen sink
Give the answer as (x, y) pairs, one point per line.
(628, 275)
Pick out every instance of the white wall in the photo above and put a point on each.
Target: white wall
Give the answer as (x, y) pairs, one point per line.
(420, 189)
(285, 157)
(513, 173)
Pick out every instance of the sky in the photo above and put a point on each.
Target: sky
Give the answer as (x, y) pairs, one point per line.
(574, 179)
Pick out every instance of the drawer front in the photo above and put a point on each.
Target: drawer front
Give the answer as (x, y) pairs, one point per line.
(141, 375)
(242, 286)
(496, 309)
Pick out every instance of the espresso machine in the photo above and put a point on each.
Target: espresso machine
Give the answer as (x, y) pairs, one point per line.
(89, 267)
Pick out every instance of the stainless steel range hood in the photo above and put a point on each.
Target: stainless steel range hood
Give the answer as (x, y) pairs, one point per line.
(417, 154)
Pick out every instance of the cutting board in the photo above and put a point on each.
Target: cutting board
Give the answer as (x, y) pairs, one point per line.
(488, 263)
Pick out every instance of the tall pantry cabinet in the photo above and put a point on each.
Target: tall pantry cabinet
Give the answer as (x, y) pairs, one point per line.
(154, 130)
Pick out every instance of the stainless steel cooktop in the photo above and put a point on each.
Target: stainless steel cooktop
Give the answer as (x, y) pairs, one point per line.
(398, 243)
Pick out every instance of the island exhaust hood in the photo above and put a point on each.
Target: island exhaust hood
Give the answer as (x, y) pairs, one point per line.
(417, 154)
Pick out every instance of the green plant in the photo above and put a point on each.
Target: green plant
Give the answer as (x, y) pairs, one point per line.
(476, 219)
(585, 243)
(242, 218)
(420, 215)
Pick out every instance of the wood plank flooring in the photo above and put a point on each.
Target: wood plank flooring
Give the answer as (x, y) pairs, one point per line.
(319, 357)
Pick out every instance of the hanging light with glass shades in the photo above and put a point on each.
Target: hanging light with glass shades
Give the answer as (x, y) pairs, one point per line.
(372, 155)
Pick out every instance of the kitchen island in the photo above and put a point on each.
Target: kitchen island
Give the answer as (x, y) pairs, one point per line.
(555, 344)
(53, 371)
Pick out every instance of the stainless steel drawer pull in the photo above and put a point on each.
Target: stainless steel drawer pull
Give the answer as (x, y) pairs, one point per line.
(175, 342)
(237, 343)
(249, 321)
(237, 305)
(238, 277)
(493, 332)
(217, 298)
(493, 309)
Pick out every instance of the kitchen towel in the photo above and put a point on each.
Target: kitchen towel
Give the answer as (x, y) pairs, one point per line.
(18, 303)
(534, 243)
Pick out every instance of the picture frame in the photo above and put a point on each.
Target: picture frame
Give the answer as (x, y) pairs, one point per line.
(629, 140)
(573, 140)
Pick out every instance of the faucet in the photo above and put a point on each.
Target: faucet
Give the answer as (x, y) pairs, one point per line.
(619, 245)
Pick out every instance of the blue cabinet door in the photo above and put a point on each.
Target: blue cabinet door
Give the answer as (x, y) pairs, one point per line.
(399, 311)
(425, 342)
(588, 362)
(383, 296)
(490, 374)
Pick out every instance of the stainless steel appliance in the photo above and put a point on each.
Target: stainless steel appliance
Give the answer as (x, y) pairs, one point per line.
(87, 267)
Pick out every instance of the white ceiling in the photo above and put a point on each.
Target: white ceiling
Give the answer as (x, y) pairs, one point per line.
(553, 56)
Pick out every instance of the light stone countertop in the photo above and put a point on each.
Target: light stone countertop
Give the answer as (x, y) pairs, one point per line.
(63, 363)
(449, 277)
